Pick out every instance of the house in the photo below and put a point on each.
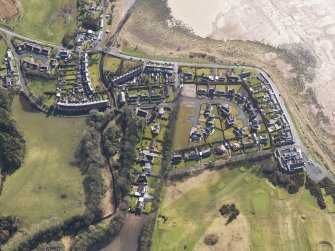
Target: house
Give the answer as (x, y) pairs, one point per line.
(220, 93)
(142, 179)
(252, 115)
(202, 92)
(230, 121)
(238, 131)
(249, 144)
(147, 168)
(221, 149)
(139, 205)
(153, 145)
(142, 113)
(176, 159)
(210, 121)
(64, 54)
(142, 190)
(263, 139)
(290, 159)
(235, 146)
(122, 98)
(207, 110)
(206, 153)
(224, 110)
(245, 74)
(255, 125)
(156, 129)
(233, 79)
(191, 156)
(161, 112)
(195, 136)
(208, 130)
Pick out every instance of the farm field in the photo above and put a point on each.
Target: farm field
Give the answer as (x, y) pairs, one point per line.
(48, 21)
(47, 186)
(270, 218)
(183, 126)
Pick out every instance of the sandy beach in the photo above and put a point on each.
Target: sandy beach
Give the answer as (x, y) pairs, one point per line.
(309, 23)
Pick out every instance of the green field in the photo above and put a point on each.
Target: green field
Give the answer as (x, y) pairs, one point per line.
(47, 20)
(112, 64)
(48, 187)
(38, 86)
(267, 221)
(183, 127)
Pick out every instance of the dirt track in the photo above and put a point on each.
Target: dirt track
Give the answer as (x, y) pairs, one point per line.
(127, 239)
(7, 9)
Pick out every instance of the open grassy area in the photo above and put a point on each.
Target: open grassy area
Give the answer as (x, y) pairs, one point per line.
(48, 187)
(47, 21)
(267, 221)
(183, 127)
(38, 86)
(112, 64)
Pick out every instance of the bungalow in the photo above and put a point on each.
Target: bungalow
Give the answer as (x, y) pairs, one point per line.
(156, 129)
(176, 159)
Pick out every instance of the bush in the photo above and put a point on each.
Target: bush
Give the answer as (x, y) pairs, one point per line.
(8, 227)
(315, 191)
(211, 239)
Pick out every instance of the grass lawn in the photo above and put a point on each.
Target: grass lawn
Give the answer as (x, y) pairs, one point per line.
(94, 71)
(266, 222)
(112, 64)
(3, 49)
(48, 187)
(183, 127)
(48, 21)
(38, 86)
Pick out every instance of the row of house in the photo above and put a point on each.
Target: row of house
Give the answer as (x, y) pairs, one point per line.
(30, 65)
(32, 48)
(84, 75)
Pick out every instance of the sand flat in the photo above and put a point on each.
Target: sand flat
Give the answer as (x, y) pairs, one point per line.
(309, 23)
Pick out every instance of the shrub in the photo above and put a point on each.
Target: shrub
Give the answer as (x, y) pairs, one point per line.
(211, 239)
